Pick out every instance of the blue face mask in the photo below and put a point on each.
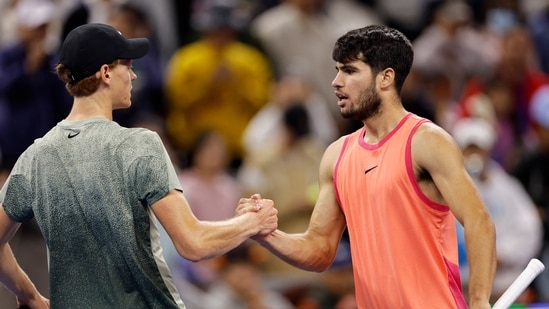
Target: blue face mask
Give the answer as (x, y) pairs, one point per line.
(474, 165)
(501, 19)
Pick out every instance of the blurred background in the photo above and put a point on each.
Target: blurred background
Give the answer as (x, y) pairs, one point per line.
(240, 92)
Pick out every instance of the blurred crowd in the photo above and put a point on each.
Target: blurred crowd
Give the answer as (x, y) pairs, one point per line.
(240, 92)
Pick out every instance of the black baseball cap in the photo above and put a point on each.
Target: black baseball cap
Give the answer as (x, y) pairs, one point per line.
(86, 48)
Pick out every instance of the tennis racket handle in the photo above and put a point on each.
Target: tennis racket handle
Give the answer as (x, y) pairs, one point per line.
(532, 270)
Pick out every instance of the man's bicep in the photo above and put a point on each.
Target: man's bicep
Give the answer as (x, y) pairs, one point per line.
(328, 220)
(174, 214)
(437, 153)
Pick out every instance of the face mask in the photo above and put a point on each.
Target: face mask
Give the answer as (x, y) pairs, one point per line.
(501, 19)
(474, 165)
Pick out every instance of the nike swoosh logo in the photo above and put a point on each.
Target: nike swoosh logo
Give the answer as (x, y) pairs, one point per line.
(73, 134)
(369, 170)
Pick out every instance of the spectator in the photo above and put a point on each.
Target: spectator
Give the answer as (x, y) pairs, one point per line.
(533, 173)
(444, 48)
(298, 36)
(429, 95)
(8, 28)
(266, 128)
(213, 194)
(538, 24)
(518, 224)
(32, 98)
(163, 17)
(497, 104)
(410, 16)
(517, 68)
(217, 82)
(288, 174)
(241, 285)
(82, 12)
(147, 91)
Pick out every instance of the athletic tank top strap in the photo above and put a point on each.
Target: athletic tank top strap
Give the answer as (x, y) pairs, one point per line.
(399, 237)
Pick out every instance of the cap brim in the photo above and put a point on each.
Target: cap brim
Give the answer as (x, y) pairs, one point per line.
(137, 48)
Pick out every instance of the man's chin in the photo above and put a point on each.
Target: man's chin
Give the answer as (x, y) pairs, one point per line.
(351, 116)
(122, 106)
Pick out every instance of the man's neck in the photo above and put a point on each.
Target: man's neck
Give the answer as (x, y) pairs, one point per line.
(90, 107)
(381, 125)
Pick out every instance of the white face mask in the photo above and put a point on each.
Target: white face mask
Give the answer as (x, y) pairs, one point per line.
(501, 19)
(474, 165)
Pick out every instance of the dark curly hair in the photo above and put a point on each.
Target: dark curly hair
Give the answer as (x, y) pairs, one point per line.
(378, 46)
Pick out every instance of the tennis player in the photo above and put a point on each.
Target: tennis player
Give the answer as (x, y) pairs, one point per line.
(397, 184)
(97, 189)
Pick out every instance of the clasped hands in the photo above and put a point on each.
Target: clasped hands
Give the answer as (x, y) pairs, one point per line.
(265, 212)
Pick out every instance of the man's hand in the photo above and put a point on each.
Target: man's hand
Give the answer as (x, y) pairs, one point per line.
(264, 209)
(251, 204)
(39, 302)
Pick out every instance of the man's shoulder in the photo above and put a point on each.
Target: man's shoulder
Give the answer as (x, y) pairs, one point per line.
(137, 135)
(333, 151)
(430, 142)
(139, 140)
(429, 128)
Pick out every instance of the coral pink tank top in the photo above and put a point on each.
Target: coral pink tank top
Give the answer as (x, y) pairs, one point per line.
(404, 245)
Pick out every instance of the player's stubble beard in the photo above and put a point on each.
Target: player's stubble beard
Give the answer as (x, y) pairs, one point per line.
(369, 105)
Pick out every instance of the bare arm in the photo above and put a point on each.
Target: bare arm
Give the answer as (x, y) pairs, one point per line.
(435, 151)
(197, 240)
(315, 249)
(11, 274)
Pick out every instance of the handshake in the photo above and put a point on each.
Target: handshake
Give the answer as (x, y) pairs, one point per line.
(260, 210)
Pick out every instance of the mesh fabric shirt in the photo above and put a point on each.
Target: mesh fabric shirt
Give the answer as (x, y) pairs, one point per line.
(90, 185)
(403, 244)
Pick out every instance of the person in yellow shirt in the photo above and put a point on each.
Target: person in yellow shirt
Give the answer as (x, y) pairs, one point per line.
(217, 82)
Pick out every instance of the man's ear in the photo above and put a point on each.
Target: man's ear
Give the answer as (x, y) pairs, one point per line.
(386, 78)
(104, 73)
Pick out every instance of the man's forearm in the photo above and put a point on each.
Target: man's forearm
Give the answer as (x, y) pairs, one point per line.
(482, 260)
(298, 251)
(13, 277)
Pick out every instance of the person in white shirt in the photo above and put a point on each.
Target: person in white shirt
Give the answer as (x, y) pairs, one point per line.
(518, 224)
